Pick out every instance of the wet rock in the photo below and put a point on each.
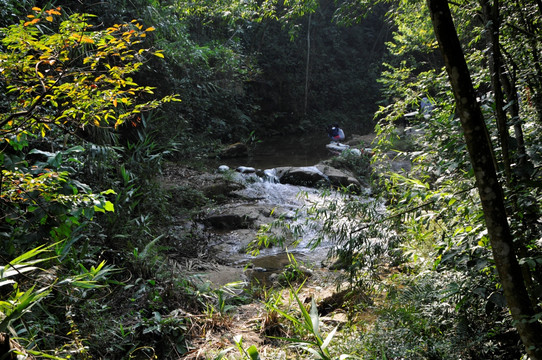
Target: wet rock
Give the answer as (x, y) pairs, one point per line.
(239, 216)
(340, 264)
(230, 246)
(309, 176)
(339, 177)
(223, 168)
(312, 176)
(220, 188)
(246, 170)
(306, 271)
(229, 221)
(355, 152)
(234, 151)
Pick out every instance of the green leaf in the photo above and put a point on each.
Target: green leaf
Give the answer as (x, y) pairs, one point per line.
(253, 353)
(109, 206)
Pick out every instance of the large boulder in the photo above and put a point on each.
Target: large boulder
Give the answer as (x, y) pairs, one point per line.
(309, 176)
(339, 177)
(240, 216)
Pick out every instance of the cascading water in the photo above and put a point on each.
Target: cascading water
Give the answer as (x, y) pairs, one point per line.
(294, 208)
(297, 215)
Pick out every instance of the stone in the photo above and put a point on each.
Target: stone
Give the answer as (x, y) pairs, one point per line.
(312, 176)
(223, 168)
(240, 216)
(309, 176)
(220, 189)
(246, 170)
(338, 177)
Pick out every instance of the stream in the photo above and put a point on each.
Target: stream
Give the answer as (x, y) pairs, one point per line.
(278, 151)
(266, 199)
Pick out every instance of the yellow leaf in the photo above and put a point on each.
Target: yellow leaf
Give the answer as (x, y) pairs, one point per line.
(30, 16)
(150, 29)
(31, 22)
(35, 8)
(49, 18)
(87, 40)
(115, 103)
(159, 54)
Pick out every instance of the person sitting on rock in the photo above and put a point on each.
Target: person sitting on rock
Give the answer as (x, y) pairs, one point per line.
(335, 133)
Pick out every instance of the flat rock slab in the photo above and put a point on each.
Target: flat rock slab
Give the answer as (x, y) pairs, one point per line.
(241, 216)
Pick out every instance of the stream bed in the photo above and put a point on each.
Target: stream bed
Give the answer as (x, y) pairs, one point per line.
(261, 200)
(290, 208)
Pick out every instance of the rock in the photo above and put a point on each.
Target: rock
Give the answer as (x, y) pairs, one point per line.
(354, 151)
(306, 271)
(234, 151)
(312, 176)
(220, 189)
(223, 168)
(246, 170)
(338, 177)
(240, 216)
(228, 221)
(302, 176)
(339, 264)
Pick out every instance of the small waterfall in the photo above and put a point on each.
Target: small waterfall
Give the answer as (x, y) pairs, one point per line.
(298, 213)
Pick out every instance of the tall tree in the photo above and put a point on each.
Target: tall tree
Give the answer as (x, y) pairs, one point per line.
(490, 191)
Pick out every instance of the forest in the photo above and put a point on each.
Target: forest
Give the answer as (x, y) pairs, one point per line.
(115, 115)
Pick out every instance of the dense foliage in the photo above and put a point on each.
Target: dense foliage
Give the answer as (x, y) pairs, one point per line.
(441, 223)
(90, 110)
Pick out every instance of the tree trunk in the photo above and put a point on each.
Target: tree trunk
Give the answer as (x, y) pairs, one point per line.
(492, 22)
(306, 104)
(489, 189)
(509, 87)
(535, 84)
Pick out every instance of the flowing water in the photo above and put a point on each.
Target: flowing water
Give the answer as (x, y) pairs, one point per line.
(294, 202)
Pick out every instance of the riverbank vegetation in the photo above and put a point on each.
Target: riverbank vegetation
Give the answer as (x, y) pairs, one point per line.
(106, 104)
